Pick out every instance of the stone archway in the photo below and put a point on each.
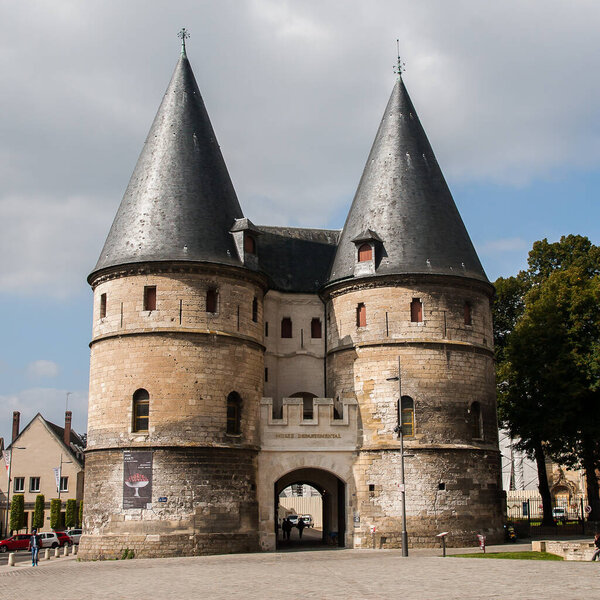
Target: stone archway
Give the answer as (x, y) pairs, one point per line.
(333, 494)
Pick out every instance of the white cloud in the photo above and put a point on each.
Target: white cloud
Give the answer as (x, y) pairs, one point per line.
(42, 368)
(49, 402)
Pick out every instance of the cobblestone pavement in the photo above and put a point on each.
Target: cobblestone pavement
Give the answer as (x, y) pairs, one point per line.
(327, 574)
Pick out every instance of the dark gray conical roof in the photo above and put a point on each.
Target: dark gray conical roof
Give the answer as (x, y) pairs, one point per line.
(403, 198)
(180, 203)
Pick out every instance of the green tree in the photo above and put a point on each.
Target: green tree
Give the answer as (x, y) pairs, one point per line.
(71, 513)
(80, 522)
(38, 513)
(17, 512)
(55, 509)
(547, 331)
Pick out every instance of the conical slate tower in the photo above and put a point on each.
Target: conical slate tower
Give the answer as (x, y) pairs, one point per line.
(180, 203)
(177, 362)
(403, 198)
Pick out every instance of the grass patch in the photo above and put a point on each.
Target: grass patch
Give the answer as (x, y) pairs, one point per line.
(512, 555)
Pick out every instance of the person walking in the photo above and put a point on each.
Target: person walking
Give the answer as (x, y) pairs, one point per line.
(597, 544)
(301, 525)
(34, 546)
(286, 527)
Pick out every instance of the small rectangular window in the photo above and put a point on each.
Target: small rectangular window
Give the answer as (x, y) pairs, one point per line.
(64, 484)
(467, 310)
(361, 315)
(416, 311)
(102, 306)
(211, 300)
(266, 374)
(255, 310)
(286, 327)
(142, 414)
(315, 328)
(266, 328)
(19, 484)
(34, 484)
(150, 297)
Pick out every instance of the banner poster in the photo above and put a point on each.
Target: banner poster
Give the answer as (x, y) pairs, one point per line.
(6, 455)
(137, 479)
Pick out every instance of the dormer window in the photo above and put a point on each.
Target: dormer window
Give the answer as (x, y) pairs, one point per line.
(249, 244)
(365, 252)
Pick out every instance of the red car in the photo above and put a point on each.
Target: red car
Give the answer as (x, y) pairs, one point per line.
(63, 538)
(15, 542)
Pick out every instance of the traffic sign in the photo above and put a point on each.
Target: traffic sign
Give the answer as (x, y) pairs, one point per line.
(588, 509)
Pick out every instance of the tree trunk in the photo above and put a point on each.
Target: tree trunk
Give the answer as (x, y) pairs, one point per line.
(543, 486)
(591, 484)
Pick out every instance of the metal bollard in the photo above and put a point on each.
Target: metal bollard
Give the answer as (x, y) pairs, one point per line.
(47, 554)
(66, 550)
(56, 552)
(11, 559)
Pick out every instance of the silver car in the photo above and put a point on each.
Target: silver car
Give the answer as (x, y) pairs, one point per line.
(74, 534)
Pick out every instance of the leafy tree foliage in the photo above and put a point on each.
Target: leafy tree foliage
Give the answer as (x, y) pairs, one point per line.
(38, 513)
(17, 512)
(80, 522)
(71, 513)
(547, 327)
(55, 508)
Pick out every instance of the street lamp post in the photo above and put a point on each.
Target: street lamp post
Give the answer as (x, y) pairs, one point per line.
(66, 462)
(401, 438)
(10, 463)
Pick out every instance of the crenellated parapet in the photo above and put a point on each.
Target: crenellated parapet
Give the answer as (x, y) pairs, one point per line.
(333, 426)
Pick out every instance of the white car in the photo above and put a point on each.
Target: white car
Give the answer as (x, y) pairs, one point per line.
(308, 520)
(74, 534)
(49, 540)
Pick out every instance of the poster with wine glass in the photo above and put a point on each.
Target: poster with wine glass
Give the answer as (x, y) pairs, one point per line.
(137, 479)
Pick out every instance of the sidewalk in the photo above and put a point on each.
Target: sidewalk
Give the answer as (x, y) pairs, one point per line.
(324, 575)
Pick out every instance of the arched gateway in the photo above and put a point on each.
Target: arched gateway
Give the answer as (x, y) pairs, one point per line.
(318, 452)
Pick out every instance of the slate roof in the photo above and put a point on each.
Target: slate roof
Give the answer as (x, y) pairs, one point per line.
(296, 259)
(403, 198)
(180, 203)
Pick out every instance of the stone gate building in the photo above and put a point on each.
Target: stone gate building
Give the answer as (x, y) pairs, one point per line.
(230, 360)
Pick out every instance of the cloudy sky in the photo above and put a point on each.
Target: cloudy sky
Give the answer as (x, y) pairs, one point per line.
(507, 91)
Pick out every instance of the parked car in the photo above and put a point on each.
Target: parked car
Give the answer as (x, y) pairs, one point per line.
(293, 519)
(308, 520)
(559, 513)
(49, 540)
(74, 534)
(20, 541)
(64, 539)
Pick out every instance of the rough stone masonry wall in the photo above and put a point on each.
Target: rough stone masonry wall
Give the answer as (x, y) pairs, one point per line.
(210, 508)
(189, 361)
(446, 365)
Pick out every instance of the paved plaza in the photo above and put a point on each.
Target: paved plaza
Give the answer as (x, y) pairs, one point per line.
(347, 574)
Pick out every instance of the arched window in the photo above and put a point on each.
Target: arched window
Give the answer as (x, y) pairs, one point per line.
(407, 415)
(416, 311)
(476, 421)
(234, 414)
(211, 300)
(365, 252)
(315, 328)
(249, 244)
(361, 315)
(286, 327)
(467, 312)
(141, 410)
(307, 404)
(255, 310)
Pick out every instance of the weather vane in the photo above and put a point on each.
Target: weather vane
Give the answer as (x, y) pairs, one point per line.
(400, 67)
(183, 35)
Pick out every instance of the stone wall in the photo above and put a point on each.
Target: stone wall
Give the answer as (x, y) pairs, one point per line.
(210, 505)
(445, 365)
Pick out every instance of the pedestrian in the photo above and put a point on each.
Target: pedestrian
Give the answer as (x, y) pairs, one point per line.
(286, 527)
(597, 544)
(34, 546)
(301, 525)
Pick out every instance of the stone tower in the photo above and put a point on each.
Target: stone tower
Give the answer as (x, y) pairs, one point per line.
(176, 369)
(408, 300)
(349, 334)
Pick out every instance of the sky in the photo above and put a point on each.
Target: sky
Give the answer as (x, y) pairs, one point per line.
(506, 91)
